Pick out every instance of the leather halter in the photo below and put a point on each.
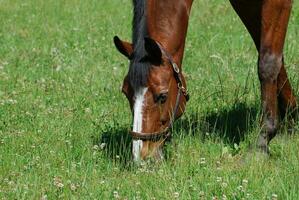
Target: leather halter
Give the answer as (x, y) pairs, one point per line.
(159, 135)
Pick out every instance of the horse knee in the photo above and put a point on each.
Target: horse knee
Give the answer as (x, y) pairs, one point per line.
(269, 66)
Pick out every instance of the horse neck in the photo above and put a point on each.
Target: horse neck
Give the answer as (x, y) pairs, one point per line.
(167, 23)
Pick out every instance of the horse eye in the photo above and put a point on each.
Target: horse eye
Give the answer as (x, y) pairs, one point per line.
(161, 98)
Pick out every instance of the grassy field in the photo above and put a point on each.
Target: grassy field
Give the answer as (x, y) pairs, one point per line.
(64, 121)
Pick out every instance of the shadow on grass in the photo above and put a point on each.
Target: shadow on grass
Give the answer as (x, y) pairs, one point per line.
(229, 124)
(116, 144)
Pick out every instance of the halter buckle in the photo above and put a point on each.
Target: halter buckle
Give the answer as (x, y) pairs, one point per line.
(184, 91)
(175, 68)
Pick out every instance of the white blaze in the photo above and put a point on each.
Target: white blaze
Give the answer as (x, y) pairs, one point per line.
(137, 121)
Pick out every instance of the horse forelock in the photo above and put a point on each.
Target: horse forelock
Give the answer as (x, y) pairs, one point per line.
(139, 70)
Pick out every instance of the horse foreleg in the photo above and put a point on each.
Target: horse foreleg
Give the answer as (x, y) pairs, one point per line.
(266, 21)
(274, 22)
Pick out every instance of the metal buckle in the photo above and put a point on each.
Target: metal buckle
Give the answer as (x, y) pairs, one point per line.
(175, 68)
(184, 91)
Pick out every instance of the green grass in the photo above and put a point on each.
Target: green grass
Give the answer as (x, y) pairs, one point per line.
(60, 99)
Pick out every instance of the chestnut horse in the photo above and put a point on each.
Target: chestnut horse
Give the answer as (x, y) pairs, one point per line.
(155, 86)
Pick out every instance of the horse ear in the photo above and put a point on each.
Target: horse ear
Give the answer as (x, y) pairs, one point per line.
(123, 47)
(153, 50)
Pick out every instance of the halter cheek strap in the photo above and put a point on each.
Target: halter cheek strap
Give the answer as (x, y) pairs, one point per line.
(156, 136)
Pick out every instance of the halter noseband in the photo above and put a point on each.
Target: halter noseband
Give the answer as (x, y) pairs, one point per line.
(156, 136)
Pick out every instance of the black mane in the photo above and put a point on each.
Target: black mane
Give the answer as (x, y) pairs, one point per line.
(138, 70)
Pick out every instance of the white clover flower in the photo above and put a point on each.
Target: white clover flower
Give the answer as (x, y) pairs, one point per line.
(116, 195)
(102, 146)
(244, 182)
(274, 197)
(202, 160)
(176, 195)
